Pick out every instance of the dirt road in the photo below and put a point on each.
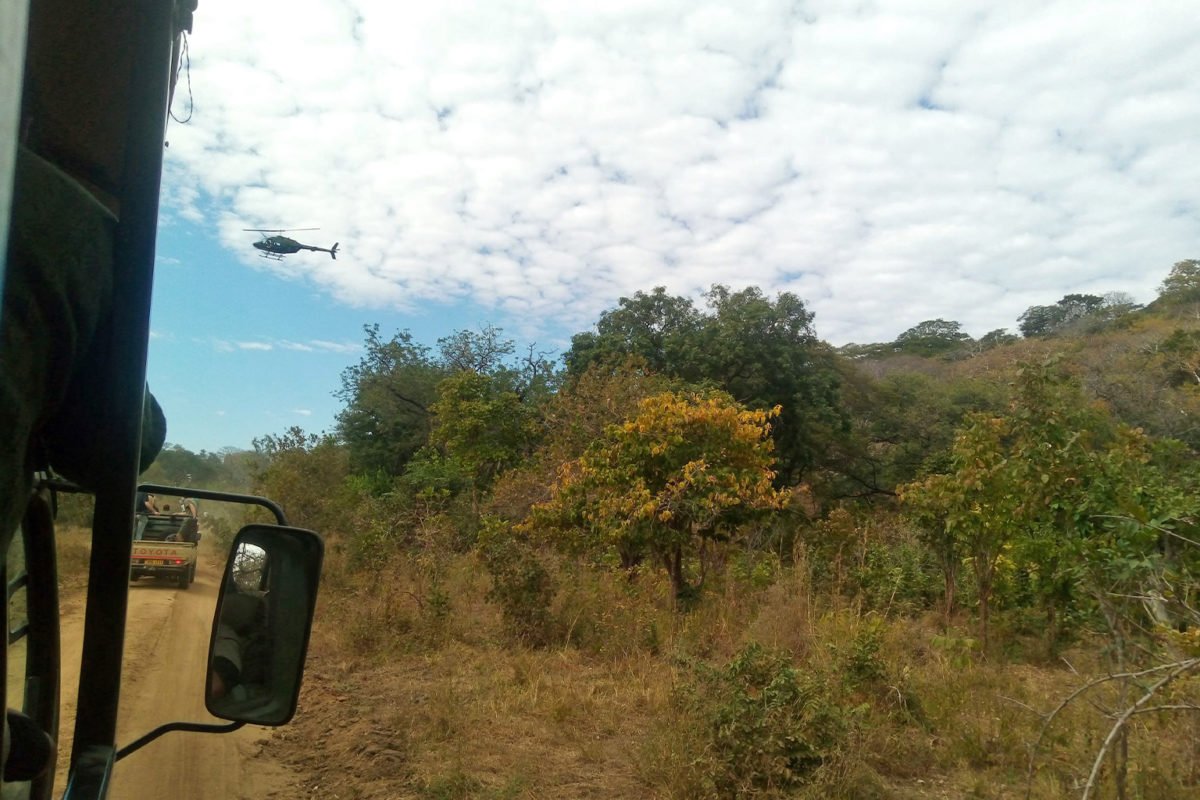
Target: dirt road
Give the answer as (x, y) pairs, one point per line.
(164, 666)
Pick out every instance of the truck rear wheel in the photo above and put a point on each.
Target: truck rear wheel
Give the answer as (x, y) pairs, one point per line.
(192, 574)
(183, 582)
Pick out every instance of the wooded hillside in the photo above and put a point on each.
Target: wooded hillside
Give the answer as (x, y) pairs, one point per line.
(705, 554)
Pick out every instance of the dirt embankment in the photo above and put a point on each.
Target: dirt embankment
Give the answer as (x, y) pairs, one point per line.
(164, 667)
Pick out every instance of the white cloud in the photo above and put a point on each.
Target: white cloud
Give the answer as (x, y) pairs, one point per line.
(312, 346)
(335, 347)
(890, 164)
(304, 412)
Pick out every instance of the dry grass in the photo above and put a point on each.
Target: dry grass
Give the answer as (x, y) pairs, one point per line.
(74, 550)
(426, 699)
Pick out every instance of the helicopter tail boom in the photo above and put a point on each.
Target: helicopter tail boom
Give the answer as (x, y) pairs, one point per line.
(331, 250)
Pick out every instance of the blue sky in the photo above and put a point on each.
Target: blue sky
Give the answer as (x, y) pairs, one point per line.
(237, 352)
(525, 163)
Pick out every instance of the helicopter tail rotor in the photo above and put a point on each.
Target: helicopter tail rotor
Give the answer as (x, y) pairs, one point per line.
(333, 251)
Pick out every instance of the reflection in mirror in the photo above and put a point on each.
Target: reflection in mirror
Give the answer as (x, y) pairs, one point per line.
(17, 622)
(260, 633)
(240, 649)
(249, 568)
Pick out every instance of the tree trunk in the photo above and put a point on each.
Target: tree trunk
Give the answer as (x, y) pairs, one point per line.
(1121, 763)
(673, 563)
(984, 613)
(677, 572)
(951, 590)
(983, 579)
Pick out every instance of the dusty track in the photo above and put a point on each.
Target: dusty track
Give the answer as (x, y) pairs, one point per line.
(163, 677)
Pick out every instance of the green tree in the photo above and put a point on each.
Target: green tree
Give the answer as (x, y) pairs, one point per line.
(178, 466)
(482, 352)
(306, 474)
(387, 395)
(1011, 479)
(679, 476)
(482, 423)
(903, 426)
(996, 338)
(933, 337)
(1068, 312)
(766, 354)
(607, 393)
(1182, 285)
(1039, 321)
(1181, 351)
(532, 377)
(1044, 485)
(970, 513)
(763, 352)
(657, 327)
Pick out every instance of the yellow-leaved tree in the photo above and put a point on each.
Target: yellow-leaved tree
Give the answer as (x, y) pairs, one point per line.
(687, 470)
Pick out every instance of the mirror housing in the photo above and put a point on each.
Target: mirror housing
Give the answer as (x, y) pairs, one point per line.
(262, 624)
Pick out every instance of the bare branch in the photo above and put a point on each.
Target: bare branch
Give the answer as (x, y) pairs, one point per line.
(1022, 705)
(1151, 526)
(1169, 707)
(1179, 668)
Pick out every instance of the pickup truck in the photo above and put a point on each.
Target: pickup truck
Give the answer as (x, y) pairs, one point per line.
(165, 547)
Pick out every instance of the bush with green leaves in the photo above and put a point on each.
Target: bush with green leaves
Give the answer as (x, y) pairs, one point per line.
(521, 585)
(771, 728)
(899, 576)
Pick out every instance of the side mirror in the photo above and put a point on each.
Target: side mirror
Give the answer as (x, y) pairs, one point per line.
(261, 628)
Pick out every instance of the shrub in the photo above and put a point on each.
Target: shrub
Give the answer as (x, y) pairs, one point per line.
(770, 729)
(521, 585)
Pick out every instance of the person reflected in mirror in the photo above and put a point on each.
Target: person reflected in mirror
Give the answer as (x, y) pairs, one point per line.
(240, 653)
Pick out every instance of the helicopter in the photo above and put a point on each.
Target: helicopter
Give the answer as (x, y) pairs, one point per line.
(276, 247)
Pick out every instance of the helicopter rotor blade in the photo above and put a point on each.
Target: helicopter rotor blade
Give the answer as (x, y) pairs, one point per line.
(277, 230)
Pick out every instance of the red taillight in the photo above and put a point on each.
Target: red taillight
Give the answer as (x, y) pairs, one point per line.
(179, 561)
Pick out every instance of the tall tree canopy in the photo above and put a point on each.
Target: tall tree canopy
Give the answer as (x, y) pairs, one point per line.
(763, 352)
(481, 422)
(390, 393)
(387, 396)
(1182, 285)
(1067, 312)
(657, 327)
(932, 337)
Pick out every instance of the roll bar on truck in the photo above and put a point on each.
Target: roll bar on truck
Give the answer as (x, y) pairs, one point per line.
(85, 89)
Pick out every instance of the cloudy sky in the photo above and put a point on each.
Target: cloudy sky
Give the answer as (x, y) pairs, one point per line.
(526, 164)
